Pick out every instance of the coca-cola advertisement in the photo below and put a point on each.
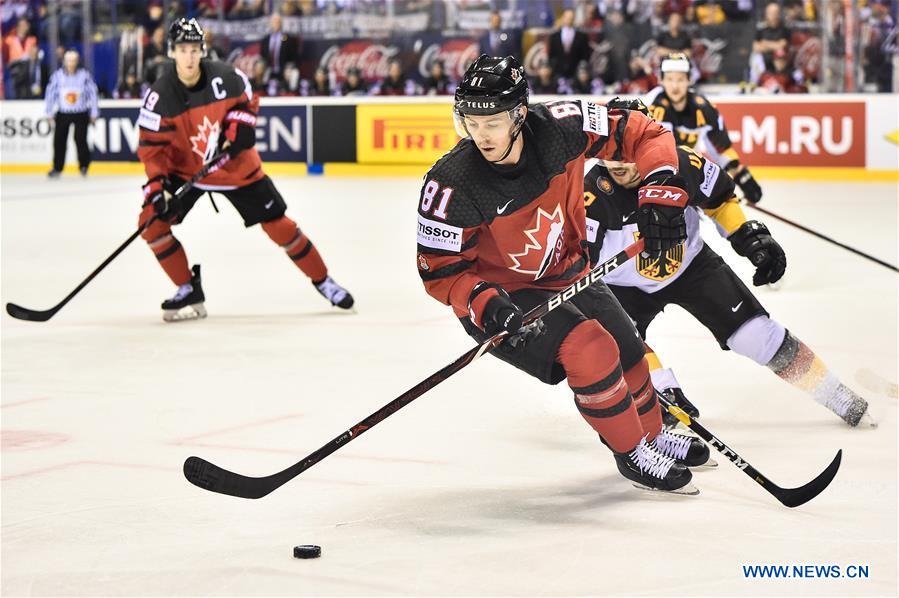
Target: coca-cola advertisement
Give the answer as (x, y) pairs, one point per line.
(372, 57)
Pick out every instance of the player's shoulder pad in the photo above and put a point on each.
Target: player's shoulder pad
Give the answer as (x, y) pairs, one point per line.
(227, 79)
(656, 97)
(163, 99)
(699, 174)
(449, 185)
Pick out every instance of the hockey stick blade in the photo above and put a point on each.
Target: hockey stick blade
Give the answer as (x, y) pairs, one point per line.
(32, 315)
(789, 497)
(208, 476)
(793, 497)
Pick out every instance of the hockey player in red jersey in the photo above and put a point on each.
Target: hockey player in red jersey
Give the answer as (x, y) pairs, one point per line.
(501, 228)
(697, 279)
(195, 109)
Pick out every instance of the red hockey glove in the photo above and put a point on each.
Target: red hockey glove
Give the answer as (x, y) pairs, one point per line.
(660, 212)
(240, 131)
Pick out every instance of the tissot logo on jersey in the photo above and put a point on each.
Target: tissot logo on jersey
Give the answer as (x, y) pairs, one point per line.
(438, 235)
(204, 143)
(544, 243)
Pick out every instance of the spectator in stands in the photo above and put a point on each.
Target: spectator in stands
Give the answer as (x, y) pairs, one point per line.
(259, 79)
(320, 85)
(291, 8)
(279, 49)
(618, 37)
(584, 83)
(395, 84)
(17, 42)
(29, 74)
(781, 78)
(770, 37)
(71, 100)
(155, 55)
(354, 85)
(213, 51)
(438, 83)
(499, 42)
(246, 9)
(545, 82)
(153, 18)
(773, 35)
(130, 87)
(709, 12)
(567, 46)
(675, 39)
(210, 8)
(877, 31)
(640, 79)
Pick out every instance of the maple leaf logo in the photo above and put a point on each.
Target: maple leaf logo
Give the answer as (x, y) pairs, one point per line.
(543, 244)
(206, 139)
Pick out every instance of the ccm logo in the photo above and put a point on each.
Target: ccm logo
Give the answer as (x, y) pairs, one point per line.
(663, 195)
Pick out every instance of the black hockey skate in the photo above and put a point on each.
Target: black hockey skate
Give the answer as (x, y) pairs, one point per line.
(676, 396)
(648, 469)
(687, 450)
(333, 292)
(187, 304)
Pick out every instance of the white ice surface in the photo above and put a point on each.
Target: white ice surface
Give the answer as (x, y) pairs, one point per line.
(490, 484)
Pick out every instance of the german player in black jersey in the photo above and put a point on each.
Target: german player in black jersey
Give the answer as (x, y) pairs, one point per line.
(692, 118)
(501, 228)
(195, 109)
(697, 279)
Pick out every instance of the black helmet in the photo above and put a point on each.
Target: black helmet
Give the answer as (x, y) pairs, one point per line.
(491, 85)
(186, 31)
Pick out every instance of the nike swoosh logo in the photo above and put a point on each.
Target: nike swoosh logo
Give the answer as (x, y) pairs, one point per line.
(503, 209)
(625, 219)
(269, 204)
(736, 307)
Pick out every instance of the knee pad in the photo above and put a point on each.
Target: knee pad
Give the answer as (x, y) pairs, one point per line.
(156, 230)
(282, 231)
(758, 339)
(589, 355)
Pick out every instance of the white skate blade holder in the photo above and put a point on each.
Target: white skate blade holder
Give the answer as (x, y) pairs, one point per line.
(196, 311)
(688, 490)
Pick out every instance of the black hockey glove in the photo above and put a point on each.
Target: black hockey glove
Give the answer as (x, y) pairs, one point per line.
(166, 206)
(753, 240)
(660, 213)
(494, 311)
(747, 183)
(240, 131)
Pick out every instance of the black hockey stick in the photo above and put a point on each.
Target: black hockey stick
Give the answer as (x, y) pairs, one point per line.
(824, 237)
(790, 497)
(209, 476)
(33, 315)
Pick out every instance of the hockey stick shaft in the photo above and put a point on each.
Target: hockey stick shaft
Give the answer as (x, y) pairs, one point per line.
(211, 477)
(23, 313)
(824, 237)
(790, 497)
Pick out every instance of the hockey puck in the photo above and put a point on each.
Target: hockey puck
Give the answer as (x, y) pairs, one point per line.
(307, 551)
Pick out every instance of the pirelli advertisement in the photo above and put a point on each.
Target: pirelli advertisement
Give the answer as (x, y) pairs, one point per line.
(398, 134)
(849, 131)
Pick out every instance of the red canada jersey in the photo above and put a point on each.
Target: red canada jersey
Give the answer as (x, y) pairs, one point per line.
(181, 128)
(525, 226)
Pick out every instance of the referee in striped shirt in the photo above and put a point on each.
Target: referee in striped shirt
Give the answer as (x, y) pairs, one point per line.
(71, 100)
